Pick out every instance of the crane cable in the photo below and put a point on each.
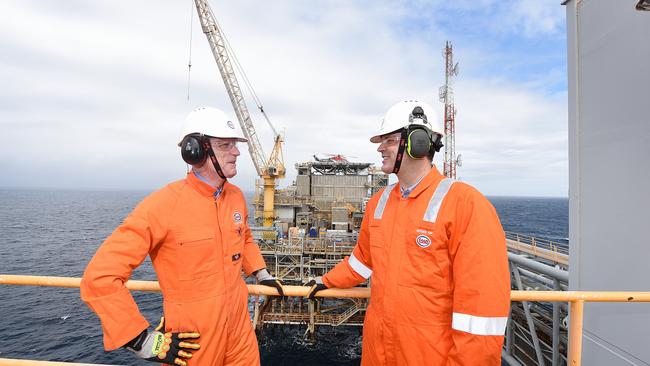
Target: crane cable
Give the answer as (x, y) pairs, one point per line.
(189, 61)
(241, 72)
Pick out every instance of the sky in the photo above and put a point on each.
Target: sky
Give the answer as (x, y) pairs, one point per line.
(94, 92)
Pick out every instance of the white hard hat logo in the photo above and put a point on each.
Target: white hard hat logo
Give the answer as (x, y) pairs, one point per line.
(231, 125)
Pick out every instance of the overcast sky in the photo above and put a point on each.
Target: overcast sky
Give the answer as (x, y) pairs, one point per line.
(94, 92)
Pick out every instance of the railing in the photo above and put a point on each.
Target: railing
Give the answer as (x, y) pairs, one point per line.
(576, 299)
(539, 243)
(545, 250)
(347, 315)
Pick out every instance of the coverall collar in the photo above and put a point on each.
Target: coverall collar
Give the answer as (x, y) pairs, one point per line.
(432, 178)
(203, 188)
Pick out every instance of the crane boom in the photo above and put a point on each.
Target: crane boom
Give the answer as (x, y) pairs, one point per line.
(221, 56)
(268, 170)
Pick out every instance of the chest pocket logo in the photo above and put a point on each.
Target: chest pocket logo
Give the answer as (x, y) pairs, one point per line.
(237, 217)
(423, 241)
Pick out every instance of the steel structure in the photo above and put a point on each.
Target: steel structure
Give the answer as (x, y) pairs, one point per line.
(297, 260)
(273, 168)
(446, 95)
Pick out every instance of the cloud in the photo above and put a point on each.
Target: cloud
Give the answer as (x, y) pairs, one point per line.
(95, 92)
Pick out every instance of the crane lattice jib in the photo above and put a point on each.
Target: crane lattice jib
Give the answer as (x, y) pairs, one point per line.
(217, 44)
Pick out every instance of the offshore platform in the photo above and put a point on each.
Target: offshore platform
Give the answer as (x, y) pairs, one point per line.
(316, 224)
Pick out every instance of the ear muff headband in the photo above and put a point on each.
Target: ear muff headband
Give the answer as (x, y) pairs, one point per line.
(195, 149)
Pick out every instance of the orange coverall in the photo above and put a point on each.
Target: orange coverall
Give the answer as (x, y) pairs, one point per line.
(440, 288)
(198, 246)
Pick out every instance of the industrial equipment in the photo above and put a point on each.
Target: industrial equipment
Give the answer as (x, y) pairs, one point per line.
(273, 168)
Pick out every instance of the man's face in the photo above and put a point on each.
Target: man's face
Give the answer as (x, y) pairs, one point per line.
(226, 152)
(388, 148)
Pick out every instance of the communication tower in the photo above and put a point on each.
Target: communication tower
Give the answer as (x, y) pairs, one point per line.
(446, 95)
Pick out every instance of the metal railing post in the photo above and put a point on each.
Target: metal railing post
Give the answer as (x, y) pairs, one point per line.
(576, 311)
(556, 327)
(529, 319)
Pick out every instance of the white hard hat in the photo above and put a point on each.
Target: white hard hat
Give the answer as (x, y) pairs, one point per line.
(211, 122)
(406, 113)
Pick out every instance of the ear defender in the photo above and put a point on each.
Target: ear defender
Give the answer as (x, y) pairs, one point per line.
(418, 144)
(193, 150)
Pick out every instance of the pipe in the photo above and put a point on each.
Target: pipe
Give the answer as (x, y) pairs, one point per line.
(74, 282)
(355, 292)
(543, 268)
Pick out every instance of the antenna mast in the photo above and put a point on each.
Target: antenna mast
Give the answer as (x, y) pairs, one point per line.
(446, 95)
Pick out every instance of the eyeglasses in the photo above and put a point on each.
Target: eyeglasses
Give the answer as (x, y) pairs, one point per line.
(223, 145)
(390, 140)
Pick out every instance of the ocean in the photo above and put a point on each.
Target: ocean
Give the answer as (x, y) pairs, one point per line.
(56, 232)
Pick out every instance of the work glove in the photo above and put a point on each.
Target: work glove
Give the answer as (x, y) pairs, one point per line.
(264, 278)
(316, 285)
(168, 348)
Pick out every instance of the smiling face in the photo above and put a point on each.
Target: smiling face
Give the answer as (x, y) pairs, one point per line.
(226, 152)
(388, 147)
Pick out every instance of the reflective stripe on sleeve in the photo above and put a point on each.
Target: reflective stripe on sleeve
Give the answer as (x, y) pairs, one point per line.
(379, 210)
(479, 325)
(359, 267)
(431, 213)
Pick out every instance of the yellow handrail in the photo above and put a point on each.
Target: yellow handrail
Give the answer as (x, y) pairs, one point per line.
(576, 299)
(17, 362)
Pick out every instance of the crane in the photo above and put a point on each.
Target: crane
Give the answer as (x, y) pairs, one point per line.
(268, 169)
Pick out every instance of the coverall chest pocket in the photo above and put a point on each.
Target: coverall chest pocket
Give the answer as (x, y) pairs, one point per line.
(425, 260)
(197, 256)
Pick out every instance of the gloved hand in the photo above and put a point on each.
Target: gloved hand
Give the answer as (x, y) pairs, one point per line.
(168, 348)
(316, 285)
(264, 278)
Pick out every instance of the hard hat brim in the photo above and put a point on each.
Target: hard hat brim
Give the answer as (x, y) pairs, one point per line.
(377, 138)
(239, 139)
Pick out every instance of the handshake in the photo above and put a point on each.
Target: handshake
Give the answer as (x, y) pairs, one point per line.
(265, 278)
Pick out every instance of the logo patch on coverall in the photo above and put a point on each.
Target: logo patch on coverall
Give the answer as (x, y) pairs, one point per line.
(237, 217)
(423, 241)
(236, 257)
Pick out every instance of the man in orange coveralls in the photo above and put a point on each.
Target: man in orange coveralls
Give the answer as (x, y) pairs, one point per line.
(440, 288)
(195, 231)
